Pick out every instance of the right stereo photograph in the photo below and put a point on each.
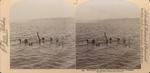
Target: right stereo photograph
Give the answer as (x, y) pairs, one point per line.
(108, 35)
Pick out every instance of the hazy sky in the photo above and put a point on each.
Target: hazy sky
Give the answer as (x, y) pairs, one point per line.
(106, 9)
(92, 9)
(35, 9)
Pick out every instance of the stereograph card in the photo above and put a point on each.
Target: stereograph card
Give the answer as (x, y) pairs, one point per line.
(74, 36)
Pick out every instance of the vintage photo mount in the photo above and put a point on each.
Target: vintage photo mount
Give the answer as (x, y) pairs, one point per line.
(145, 40)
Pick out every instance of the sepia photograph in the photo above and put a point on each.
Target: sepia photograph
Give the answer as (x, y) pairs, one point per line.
(42, 35)
(97, 34)
(108, 35)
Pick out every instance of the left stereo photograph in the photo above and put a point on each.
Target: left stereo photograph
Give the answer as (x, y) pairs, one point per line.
(42, 35)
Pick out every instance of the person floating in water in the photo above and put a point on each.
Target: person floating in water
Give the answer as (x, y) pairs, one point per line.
(57, 41)
(43, 40)
(26, 41)
(87, 41)
(93, 41)
(31, 44)
(110, 40)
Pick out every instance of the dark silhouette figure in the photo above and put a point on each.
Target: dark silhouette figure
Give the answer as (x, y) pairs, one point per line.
(110, 40)
(57, 40)
(26, 41)
(87, 41)
(51, 39)
(31, 44)
(93, 41)
(43, 40)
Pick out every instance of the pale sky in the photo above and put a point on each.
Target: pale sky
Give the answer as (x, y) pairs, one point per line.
(35, 9)
(106, 9)
(92, 9)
